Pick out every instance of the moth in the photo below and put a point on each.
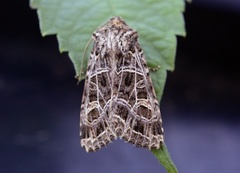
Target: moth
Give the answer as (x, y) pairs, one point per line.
(118, 98)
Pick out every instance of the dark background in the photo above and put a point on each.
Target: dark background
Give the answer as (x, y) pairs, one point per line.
(40, 99)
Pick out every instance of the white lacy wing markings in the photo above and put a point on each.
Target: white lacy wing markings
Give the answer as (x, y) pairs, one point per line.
(123, 107)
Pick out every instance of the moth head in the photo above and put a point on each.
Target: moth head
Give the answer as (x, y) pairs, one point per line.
(117, 22)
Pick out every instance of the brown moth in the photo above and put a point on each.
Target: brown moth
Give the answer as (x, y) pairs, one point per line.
(119, 99)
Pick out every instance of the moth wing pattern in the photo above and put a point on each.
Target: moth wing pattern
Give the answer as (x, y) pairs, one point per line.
(136, 96)
(95, 125)
(119, 98)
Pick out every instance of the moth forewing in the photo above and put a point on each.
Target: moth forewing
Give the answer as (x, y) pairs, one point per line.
(119, 97)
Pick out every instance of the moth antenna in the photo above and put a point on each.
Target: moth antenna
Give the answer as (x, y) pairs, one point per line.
(84, 52)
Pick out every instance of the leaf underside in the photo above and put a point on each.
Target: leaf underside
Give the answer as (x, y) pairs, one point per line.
(157, 22)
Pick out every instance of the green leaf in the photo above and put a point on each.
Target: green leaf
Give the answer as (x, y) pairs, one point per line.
(159, 78)
(157, 22)
(163, 156)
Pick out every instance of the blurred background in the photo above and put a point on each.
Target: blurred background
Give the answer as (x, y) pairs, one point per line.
(40, 99)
